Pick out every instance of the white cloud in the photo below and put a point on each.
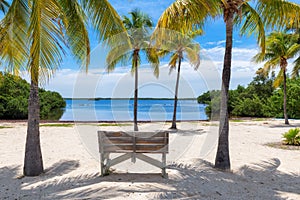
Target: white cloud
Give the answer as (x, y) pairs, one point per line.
(96, 83)
(119, 83)
(216, 43)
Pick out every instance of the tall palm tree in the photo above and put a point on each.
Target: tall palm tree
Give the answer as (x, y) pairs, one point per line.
(138, 35)
(251, 18)
(176, 47)
(280, 47)
(34, 37)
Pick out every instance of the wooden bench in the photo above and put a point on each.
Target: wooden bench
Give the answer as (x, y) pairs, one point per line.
(132, 145)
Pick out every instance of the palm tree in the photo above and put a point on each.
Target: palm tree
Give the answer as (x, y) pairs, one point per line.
(280, 47)
(34, 37)
(176, 47)
(138, 35)
(251, 18)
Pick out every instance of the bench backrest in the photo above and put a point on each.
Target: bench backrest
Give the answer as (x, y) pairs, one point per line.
(137, 142)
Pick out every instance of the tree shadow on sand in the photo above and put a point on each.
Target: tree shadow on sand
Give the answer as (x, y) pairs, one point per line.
(49, 185)
(197, 180)
(260, 181)
(293, 124)
(200, 181)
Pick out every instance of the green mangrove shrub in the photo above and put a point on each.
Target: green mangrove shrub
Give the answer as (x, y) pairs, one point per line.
(14, 93)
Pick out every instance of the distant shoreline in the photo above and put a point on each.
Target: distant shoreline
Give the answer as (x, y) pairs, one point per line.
(100, 121)
(146, 98)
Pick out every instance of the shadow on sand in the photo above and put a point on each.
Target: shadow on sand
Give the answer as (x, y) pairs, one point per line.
(195, 181)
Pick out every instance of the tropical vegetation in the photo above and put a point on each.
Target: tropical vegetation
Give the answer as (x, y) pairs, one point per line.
(138, 35)
(292, 137)
(35, 35)
(258, 99)
(251, 17)
(14, 93)
(180, 47)
(280, 47)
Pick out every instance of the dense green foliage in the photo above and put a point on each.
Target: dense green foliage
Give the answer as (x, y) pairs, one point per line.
(292, 137)
(258, 99)
(14, 93)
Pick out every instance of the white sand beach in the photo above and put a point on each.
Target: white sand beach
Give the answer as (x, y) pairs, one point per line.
(72, 166)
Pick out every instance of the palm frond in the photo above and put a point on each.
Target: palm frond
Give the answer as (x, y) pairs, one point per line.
(193, 55)
(293, 50)
(284, 11)
(74, 21)
(4, 5)
(259, 57)
(163, 53)
(173, 61)
(119, 54)
(296, 68)
(127, 23)
(140, 20)
(104, 18)
(121, 59)
(252, 23)
(279, 79)
(13, 37)
(153, 59)
(128, 45)
(45, 40)
(185, 15)
(270, 65)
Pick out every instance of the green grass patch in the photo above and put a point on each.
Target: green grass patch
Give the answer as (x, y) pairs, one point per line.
(3, 127)
(209, 124)
(56, 125)
(259, 119)
(237, 120)
(112, 124)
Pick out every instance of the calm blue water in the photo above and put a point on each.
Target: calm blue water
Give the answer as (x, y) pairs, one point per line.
(122, 110)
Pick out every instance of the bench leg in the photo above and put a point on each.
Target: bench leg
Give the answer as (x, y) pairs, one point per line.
(104, 167)
(102, 164)
(163, 170)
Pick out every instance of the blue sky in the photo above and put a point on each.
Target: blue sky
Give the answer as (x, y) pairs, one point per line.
(71, 82)
(120, 83)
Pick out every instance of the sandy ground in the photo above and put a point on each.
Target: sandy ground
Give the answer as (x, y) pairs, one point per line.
(72, 167)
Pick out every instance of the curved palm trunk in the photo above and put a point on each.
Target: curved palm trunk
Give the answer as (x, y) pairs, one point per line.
(33, 162)
(176, 95)
(135, 94)
(222, 158)
(286, 120)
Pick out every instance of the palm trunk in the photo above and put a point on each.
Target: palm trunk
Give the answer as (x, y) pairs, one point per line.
(33, 163)
(222, 158)
(135, 94)
(176, 95)
(286, 120)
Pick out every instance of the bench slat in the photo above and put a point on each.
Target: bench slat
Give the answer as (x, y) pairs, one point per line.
(138, 148)
(128, 140)
(136, 134)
